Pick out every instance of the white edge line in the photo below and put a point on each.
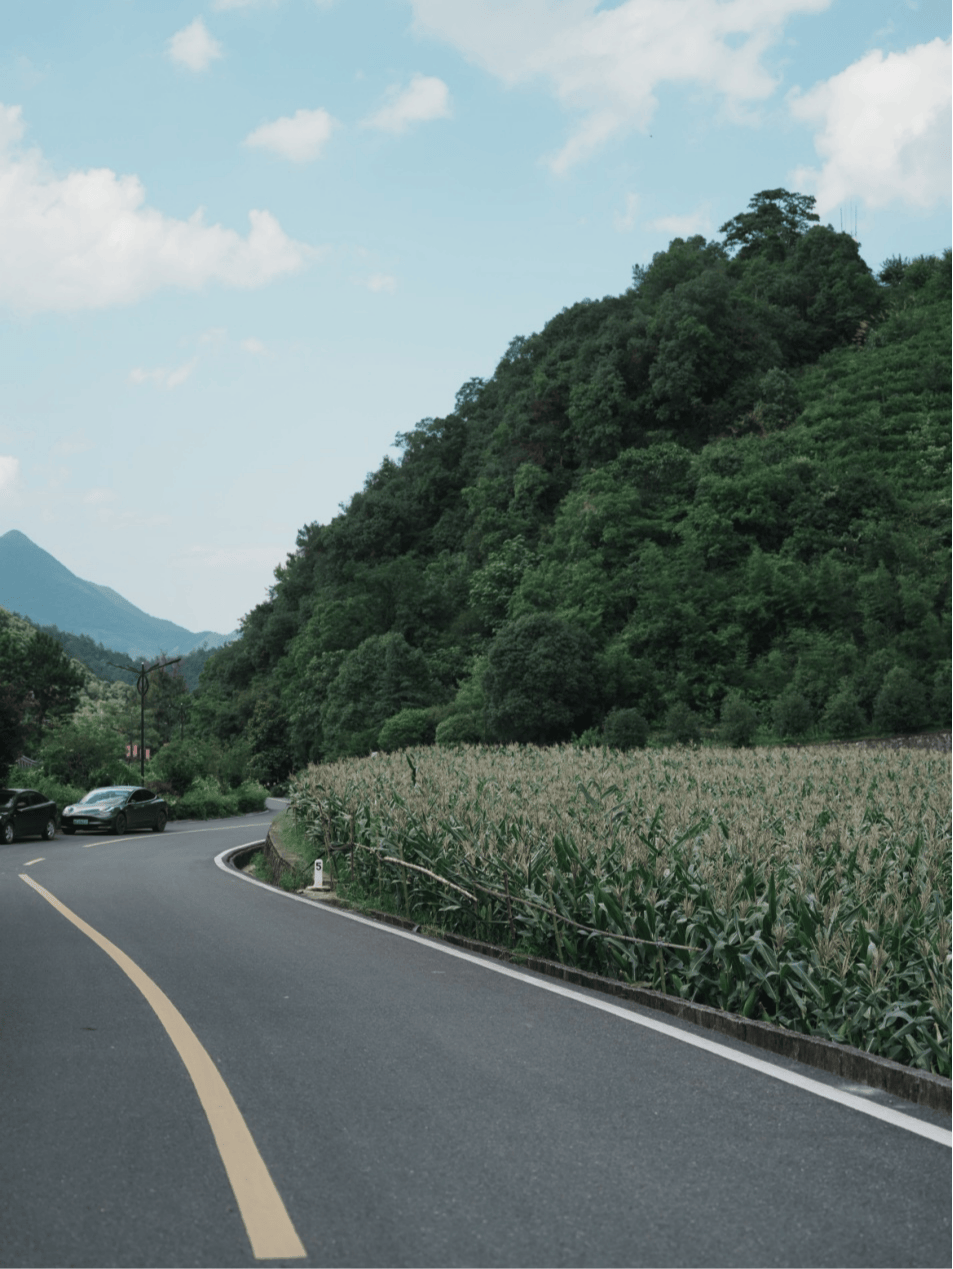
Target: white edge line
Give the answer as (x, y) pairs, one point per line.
(897, 1119)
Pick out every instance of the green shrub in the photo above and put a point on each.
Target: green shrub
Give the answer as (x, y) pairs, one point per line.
(204, 800)
(682, 724)
(409, 728)
(900, 705)
(843, 716)
(626, 729)
(739, 722)
(51, 788)
(792, 715)
(460, 729)
(250, 796)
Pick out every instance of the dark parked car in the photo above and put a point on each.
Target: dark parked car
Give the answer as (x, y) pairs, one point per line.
(26, 813)
(117, 808)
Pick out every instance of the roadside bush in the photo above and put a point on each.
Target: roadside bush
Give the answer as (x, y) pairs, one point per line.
(250, 796)
(792, 715)
(460, 729)
(408, 728)
(900, 705)
(739, 722)
(205, 800)
(51, 788)
(842, 715)
(626, 729)
(682, 724)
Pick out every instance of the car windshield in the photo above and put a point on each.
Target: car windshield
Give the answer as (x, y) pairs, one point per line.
(104, 795)
(7, 796)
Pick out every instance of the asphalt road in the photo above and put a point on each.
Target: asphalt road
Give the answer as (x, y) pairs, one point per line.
(385, 1101)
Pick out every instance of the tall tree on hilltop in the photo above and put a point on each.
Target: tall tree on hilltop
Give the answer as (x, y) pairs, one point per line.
(772, 225)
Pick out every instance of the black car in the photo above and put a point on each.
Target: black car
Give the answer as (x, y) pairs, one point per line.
(26, 813)
(116, 809)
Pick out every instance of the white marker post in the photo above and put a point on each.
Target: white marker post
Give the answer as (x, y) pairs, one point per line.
(319, 874)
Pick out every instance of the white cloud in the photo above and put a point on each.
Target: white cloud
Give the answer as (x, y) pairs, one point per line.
(299, 138)
(9, 473)
(193, 47)
(254, 346)
(883, 129)
(625, 221)
(424, 98)
(605, 64)
(87, 240)
(163, 377)
(695, 222)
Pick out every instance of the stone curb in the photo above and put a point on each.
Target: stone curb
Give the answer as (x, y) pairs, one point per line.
(277, 856)
(934, 1092)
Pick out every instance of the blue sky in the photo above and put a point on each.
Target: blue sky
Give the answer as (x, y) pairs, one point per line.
(244, 243)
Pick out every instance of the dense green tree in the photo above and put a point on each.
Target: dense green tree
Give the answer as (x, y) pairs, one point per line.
(772, 225)
(625, 729)
(739, 720)
(731, 481)
(168, 701)
(407, 728)
(269, 743)
(842, 715)
(11, 726)
(42, 678)
(540, 683)
(380, 677)
(792, 715)
(682, 724)
(900, 703)
(85, 752)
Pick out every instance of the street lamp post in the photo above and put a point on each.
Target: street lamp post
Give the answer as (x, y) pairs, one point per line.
(142, 687)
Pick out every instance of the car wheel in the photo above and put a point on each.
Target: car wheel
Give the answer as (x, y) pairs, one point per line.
(8, 833)
(119, 825)
(49, 830)
(159, 822)
(69, 829)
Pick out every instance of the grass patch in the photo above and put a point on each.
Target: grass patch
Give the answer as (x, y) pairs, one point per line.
(809, 888)
(257, 867)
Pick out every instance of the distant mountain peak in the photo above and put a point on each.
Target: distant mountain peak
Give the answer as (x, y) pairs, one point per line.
(35, 584)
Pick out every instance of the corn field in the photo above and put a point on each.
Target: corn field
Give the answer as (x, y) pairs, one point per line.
(809, 888)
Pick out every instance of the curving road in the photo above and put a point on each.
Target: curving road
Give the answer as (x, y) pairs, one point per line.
(197, 1070)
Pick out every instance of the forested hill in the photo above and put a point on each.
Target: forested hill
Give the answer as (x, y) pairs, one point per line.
(723, 495)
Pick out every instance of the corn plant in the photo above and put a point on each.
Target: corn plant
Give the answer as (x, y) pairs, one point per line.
(809, 888)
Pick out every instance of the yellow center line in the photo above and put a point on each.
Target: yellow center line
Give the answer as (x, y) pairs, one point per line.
(34, 861)
(270, 1231)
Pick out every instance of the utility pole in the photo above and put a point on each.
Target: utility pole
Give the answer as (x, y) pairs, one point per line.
(142, 686)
